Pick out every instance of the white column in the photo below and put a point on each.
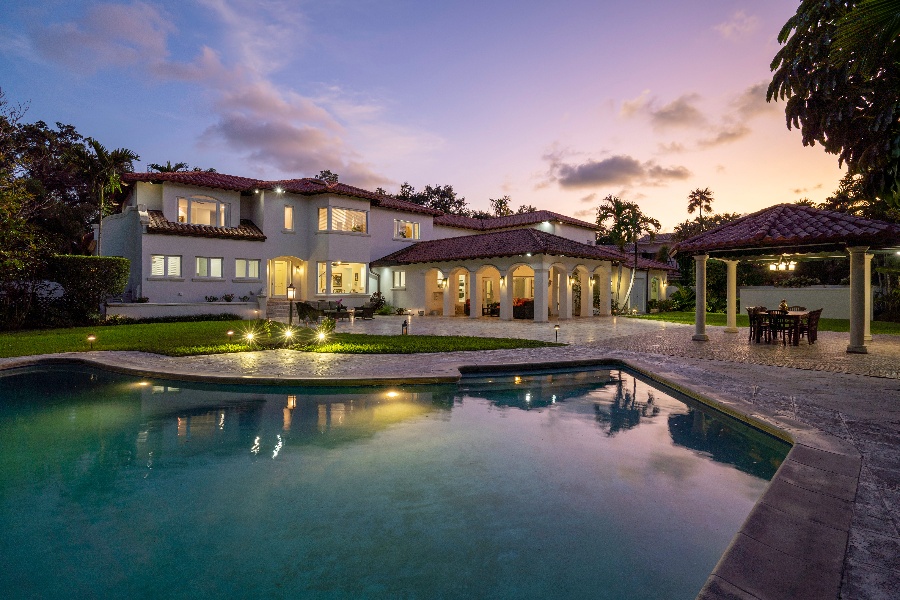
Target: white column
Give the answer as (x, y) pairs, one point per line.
(327, 277)
(867, 336)
(541, 278)
(731, 318)
(857, 300)
(587, 294)
(565, 295)
(604, 280)
(506, 296)
(700, 311)
(449, 296)
(474, 296)
(553, 292)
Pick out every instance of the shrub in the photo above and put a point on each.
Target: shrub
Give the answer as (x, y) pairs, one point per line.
(212, 298)
(377, 301)
(385, 309)
(683, 299)
(652, 304)
(87, 282)
(798, 281)
(227, 297)
(244, 298)
(142, 299)
(665, 305)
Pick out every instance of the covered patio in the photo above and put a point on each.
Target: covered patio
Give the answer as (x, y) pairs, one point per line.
(793, 232)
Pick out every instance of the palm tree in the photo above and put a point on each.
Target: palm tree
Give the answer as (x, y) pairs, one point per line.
(627, 223)
(867, 31)
(103, 170)
(702, 200)
(168, 167)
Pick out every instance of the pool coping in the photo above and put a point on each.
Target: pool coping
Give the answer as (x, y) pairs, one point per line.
(792, 544)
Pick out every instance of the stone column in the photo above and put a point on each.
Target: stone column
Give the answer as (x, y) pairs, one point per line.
(700, 311)
(587, 294)
(867, 336)
(731, 319)
(541, 293)
(506, 296)
(565, 295)
(604, 280)
(449, 297)
(857, 300)
(553, 292)
(474, 296)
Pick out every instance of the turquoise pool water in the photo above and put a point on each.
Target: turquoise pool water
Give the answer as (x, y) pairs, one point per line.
(564, 485)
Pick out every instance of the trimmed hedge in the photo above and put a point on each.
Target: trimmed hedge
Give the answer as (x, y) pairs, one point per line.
(87, 282)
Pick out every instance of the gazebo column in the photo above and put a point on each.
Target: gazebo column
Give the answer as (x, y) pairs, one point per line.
(553, 292)
(587, 296)
(506, 296)
(565, 295)
(449, 296)
(857, 300)
(541, 292)
(700, 310)
(604, 280)
(867, 336)
(474, 295)
(731, 318)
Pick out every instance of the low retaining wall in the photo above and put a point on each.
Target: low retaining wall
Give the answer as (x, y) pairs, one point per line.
(149, 310)
(835, 299)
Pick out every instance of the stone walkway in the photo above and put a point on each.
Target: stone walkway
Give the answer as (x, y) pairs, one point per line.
(855, 398)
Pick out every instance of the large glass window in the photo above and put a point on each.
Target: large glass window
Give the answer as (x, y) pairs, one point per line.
(344, 219)
(202, 210)
(247, 268)
(209, 267)
(289, 217)
(406, 230)
(162, 265)
(399, 279)
(346, 278)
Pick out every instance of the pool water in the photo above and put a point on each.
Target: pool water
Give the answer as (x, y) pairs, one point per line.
(563, 485)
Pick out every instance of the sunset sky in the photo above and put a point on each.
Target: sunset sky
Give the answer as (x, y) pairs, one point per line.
(554, 104)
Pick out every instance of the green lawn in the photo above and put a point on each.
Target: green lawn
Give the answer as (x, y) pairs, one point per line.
(209, 337)
(881, 327)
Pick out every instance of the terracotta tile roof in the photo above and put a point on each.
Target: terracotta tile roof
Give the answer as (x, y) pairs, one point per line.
(246, 231)
(517, 220)
(515, 242)
(307, 186)
(790, 226)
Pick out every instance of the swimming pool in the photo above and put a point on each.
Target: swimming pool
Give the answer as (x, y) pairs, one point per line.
(591, 484)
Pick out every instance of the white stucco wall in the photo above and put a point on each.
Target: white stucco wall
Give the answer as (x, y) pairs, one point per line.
(381, 228)
(122, 237)
(148, 310)
(834, 299)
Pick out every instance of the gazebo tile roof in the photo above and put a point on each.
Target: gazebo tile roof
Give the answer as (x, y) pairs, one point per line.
(785, 225)
(246, 231)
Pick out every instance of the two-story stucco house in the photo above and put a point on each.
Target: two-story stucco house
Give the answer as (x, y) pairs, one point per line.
(193, 235)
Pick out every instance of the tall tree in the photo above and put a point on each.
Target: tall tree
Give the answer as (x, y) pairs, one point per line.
(700, 200)
(500, 206)
(840, 76)
(103, 170)
(169, 167)
(623, 223)
(525, 208)
(328, 176)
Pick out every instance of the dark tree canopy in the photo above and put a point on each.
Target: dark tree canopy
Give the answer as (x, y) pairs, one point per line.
(439, 197)
(849, 106)
(328, 176)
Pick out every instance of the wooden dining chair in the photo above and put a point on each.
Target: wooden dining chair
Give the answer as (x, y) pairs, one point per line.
(780, 325)
(797, 308)
(810, 327)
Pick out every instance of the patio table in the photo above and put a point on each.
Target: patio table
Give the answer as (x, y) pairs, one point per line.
(795, 317)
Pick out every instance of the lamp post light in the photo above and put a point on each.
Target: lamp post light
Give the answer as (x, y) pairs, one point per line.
(556, 330)
(291, 294)
(404, 328)
(91, 339)
(230, 334)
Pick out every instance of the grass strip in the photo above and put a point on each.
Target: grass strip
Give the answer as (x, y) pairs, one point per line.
(840, 325)
(205, 337)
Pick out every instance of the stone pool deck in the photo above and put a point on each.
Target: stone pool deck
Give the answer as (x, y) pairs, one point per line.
(827, 527)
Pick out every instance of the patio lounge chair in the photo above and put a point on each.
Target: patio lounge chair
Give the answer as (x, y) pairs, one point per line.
(366, 311)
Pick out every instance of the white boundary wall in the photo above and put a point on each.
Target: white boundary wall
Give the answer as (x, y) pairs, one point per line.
(148, 310)
(834, 299)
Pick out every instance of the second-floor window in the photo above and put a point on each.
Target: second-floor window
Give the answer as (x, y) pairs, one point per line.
(406, 230)
(209, 267)
(289, 217)
(202, 210)
(346, 219)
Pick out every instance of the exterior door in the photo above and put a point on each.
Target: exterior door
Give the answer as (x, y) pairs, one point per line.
(279, 278)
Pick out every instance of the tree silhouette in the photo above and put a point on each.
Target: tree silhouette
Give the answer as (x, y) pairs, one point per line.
(168, 167)
(500, 206)
(328, 176)
(624, 223)
(700, 200)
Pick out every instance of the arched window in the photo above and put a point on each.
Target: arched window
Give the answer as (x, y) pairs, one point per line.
(202, 210)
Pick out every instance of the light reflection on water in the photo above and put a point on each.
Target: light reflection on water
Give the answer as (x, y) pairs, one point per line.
(591, 484)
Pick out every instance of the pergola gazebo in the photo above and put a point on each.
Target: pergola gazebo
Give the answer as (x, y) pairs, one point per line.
(794, 232)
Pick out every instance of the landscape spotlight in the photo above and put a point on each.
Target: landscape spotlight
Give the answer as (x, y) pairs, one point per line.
(230, 334)
(321, 336)
(556, 329)
(91, 339)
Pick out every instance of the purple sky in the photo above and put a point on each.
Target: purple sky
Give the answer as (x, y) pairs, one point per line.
(554, 104)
